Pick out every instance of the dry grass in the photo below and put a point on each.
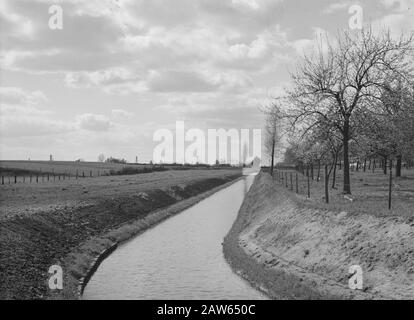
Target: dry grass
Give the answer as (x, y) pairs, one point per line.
(61, 167)
(369, 193)
(302, 252)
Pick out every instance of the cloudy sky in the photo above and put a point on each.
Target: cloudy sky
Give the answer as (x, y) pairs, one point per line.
(121, 69)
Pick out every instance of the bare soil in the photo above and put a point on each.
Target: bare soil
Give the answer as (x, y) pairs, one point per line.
(40, 224)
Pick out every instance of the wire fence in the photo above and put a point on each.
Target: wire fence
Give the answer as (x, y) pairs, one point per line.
(302, 180)
(43, 177)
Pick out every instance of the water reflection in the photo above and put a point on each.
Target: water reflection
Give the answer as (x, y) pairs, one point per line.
(181, 258)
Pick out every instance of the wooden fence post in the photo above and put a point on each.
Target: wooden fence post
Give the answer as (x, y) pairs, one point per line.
(286, 182)
(291, 181)
(2, 179)
(308, 182)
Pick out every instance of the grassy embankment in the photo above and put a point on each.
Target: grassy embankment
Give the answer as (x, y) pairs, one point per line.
(292, 247)
(46, 224)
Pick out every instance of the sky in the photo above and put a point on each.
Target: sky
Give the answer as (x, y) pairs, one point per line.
(118, 70)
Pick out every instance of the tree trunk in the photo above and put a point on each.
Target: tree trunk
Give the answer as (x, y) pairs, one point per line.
(347, 178)
(398, 167)
(334, 171)
(273, 157)
(365, 164)
(319, 170)
(326, 184)
(312, 171)
(385, 164)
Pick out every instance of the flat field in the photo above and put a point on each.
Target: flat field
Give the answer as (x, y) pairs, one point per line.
(62, 167)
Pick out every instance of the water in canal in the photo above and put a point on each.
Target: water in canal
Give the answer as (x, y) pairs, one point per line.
(181, 258)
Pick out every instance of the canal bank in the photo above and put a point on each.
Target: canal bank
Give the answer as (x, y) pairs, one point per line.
(180, 258)
(83, 262)
(291, 251)
(70, 223)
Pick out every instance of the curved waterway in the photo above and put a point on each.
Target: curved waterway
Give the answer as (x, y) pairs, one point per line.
(181, 258)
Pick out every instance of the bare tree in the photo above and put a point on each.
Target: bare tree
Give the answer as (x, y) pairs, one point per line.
(344, 77)
(272, 131)
(101, 158)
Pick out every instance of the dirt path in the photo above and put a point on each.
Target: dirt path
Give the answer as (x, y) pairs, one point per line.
(41, 224)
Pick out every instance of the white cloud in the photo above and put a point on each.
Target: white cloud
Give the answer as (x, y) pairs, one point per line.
(319, 41)
(100, 78)
(252, 4)
(18, 96)
(94, 122)
(177, 80)
(134, 46)
(399, 19)
(121, 114)
(338, 6)
(21, 115)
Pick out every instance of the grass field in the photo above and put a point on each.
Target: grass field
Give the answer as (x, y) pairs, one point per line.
(21, 171)
(62, 167)
(369, 192)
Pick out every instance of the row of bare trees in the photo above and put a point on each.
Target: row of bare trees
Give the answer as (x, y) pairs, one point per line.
(352, 98)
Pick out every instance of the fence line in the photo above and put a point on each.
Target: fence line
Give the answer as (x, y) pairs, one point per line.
(305, 174)
(45, 177)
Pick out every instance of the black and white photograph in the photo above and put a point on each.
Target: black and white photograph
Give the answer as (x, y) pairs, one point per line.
(207, 156)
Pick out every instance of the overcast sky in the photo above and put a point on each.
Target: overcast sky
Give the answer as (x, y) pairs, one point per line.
(119, 70)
